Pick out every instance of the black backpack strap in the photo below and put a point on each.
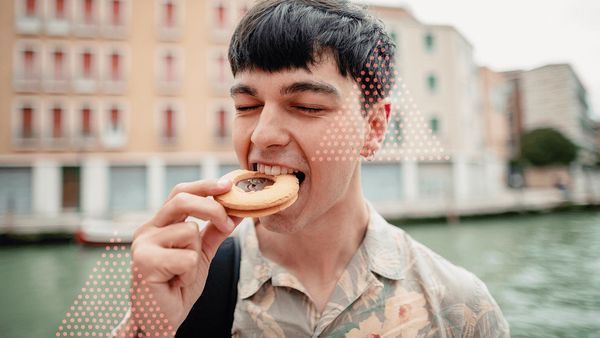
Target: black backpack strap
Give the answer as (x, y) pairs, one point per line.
(212, 314)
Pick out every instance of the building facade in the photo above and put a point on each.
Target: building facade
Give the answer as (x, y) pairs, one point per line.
(553, 96)
(106, 104)
(436, 64)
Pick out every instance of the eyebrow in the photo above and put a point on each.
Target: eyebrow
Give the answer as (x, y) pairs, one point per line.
(242, 89)
(296, 87)
(310, 86)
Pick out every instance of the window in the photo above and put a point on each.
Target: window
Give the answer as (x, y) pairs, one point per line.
(114, 71)
(434, 124)
(115, 119)
(429, 42)
(115, 66)
(31, 8)
(26, 128)
(59, 9)
(86, 17)
(86, 121)
(25, 121)
(432, 83)
(222, 125)
(114, 133)
(169, 14)
(58, 18)
(27, 16)
(17, 190)
(57, 122)
(88, 12)
(221, 15)
(169, 67)
(58, 62)
(128, 188)
(116, 12)
(382, 181)
(115, 18)
(168, 117)
(87, 59)
(27, 65)
(169, 123)
(29, 61)
(169, 18)
(175, 174)
(434, 180)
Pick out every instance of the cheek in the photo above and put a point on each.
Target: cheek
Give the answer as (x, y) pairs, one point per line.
(241, 131)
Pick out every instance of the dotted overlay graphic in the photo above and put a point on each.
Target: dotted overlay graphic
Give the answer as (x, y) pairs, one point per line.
(405, 136)
(109, 295)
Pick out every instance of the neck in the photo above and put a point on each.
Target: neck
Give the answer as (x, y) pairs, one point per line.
(322, 249)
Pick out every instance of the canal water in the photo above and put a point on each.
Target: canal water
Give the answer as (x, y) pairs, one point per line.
(544, 271)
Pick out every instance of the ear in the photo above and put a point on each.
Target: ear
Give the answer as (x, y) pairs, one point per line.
(377, 121)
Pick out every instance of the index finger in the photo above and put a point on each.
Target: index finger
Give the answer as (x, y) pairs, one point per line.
(201, 188)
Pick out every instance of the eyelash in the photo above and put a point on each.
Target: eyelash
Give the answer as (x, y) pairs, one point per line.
(242, 109)
(305, 109)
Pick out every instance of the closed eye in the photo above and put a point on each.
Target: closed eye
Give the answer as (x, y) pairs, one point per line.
(247, 108)
(308, 109)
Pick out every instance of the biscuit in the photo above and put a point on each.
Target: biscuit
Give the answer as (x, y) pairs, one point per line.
(254, 194)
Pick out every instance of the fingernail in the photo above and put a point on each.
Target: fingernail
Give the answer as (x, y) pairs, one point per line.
(223, 182)
(230, 223)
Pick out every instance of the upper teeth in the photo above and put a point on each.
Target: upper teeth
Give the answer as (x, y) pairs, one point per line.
(274, 170)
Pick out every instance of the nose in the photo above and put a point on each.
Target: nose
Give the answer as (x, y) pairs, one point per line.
(270, 130)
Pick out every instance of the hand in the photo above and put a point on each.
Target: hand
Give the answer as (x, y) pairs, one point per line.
(170, 257)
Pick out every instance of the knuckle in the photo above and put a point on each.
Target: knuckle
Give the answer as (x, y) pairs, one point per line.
(138, 232)
(139, 254)
(216, 209)
(182, 198)
(191, 228)
(179, 187)
(191, 258)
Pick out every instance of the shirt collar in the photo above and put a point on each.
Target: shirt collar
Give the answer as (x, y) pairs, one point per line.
(381, 245)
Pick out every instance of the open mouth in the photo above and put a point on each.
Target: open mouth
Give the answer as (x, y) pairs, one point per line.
(278, 170)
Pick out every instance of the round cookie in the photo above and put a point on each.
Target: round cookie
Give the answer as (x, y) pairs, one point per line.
(254, 194)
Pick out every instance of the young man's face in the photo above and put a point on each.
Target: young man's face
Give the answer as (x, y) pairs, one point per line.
(292, 119)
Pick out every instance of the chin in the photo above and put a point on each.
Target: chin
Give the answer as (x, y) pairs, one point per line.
(280, 224)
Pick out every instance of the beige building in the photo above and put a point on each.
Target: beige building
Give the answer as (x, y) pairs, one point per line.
(436, 64)
(106, 104)
(494, 106)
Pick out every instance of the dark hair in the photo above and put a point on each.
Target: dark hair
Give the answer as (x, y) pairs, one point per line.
(287, 34)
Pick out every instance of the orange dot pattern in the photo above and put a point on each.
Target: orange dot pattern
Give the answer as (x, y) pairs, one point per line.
(110, 292)
(406, 135)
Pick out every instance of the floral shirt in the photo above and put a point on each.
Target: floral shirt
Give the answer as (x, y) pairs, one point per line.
(392, 287)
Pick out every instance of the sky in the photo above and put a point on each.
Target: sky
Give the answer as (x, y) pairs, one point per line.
(523, 34)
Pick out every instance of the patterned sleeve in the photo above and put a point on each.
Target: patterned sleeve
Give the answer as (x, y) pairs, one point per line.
(490, 322)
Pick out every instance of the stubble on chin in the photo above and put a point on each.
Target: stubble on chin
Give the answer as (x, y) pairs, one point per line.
(278, 224)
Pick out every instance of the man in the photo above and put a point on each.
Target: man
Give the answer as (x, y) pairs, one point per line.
(328, 265)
